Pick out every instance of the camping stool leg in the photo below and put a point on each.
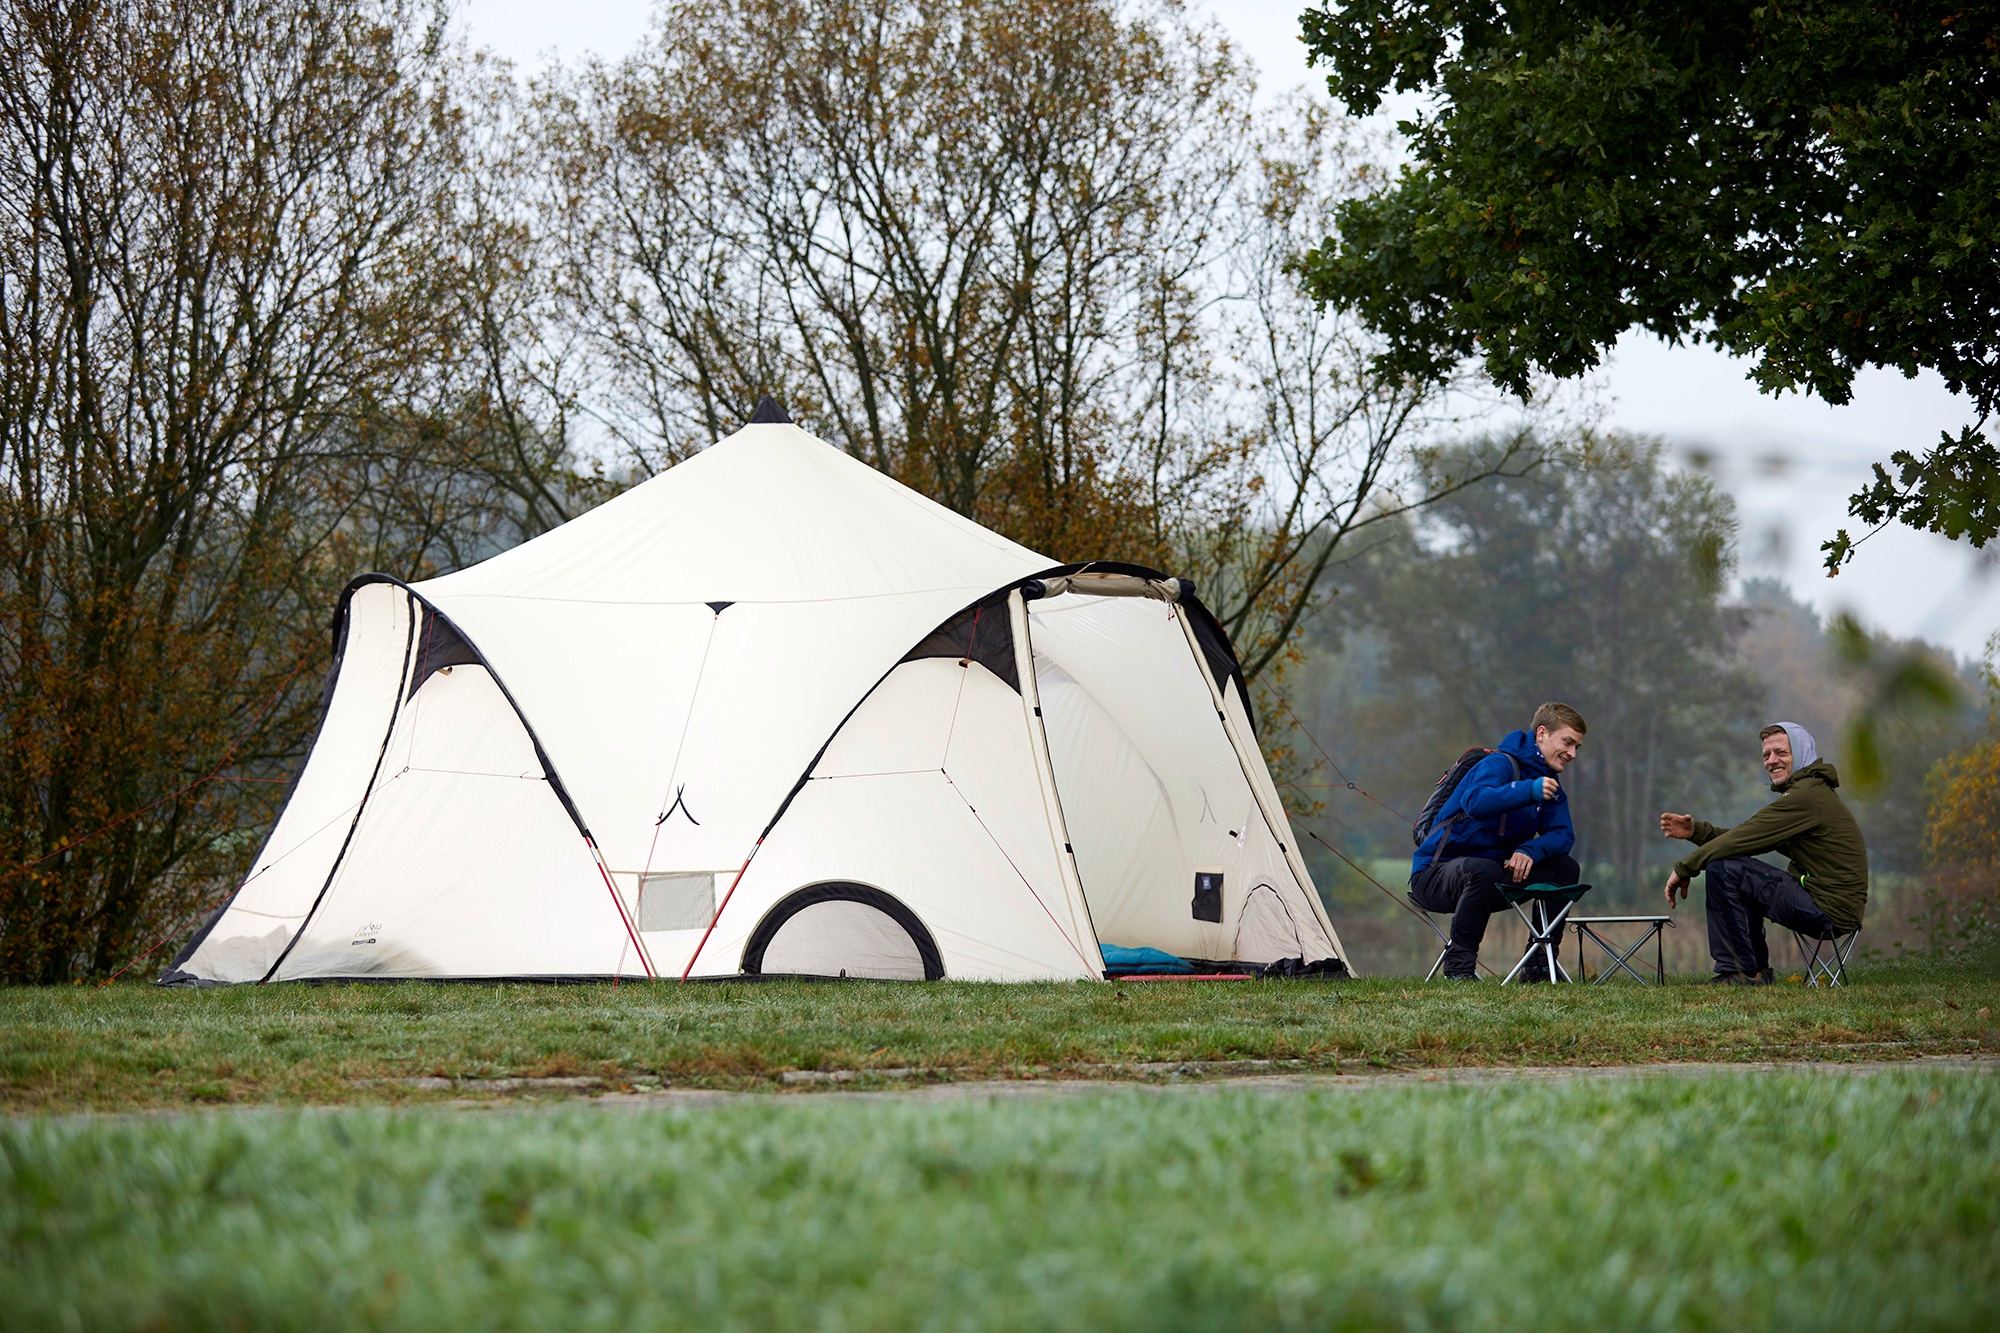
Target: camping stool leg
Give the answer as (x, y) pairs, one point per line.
(1816, 965)
(1833, 968)
(1548, 954)
(1841, 956)
(1443, 938)
(1552, 928)
(1660, 958)
(1527, 953)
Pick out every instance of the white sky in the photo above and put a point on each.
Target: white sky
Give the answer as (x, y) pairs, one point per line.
(1790, 462)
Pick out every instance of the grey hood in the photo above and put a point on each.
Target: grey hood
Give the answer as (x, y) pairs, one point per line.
(1804, 751)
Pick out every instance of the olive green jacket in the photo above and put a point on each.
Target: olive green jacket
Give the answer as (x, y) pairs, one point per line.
(1808, 823)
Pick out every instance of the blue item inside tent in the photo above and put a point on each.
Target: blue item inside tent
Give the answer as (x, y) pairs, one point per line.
(1118, 958)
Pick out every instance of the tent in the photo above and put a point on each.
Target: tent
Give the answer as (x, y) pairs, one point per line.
(771, 712)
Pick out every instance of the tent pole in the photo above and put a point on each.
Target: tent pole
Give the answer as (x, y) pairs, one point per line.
(1038, 736)
(718, 911)
(644, 960)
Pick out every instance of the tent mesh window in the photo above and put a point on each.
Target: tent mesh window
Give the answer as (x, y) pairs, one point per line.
(676, 901)
(843, 930)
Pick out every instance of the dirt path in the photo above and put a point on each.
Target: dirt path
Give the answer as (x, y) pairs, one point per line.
(1272, 1083)
(1194, 1078)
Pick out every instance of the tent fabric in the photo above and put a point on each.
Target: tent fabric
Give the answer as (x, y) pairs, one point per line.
(616, 749)
(1154, 788)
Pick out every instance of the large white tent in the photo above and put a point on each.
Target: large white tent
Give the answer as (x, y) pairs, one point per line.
(771, 712)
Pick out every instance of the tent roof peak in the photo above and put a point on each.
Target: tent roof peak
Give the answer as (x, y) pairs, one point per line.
(768, 413)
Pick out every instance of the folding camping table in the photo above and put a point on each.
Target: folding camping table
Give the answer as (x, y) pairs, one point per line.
(1537, 906)
(1586, 928)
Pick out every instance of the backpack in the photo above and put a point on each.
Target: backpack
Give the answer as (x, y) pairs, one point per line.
(1446, 785)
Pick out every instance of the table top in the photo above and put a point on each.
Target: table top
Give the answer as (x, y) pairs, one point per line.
(1580, 920)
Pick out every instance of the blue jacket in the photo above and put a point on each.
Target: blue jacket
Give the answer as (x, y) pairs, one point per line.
(1493, 816)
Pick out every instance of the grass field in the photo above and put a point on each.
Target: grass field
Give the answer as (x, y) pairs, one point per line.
(1807, 1201)
(134, 1046)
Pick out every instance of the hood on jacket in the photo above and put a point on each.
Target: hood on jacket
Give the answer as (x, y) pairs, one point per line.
(1522, 746)
(1804, 752)
(1818, 768)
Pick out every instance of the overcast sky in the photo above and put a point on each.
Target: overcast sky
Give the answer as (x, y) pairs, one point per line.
(1789, 462)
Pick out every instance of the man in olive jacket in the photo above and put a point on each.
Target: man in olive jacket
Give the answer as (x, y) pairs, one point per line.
(1827, 888)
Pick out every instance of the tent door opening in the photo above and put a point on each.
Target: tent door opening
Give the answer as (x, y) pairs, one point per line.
(843, 930)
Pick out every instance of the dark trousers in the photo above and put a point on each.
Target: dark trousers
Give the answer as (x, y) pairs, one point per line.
(1743, 893)
(1466, 886)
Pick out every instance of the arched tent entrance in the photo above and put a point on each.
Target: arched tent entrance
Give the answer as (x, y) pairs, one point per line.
(772, 712)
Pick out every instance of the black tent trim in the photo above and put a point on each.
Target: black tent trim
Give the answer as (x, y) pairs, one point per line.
(841, 891)
(173, 976)
(440, 645)
(1219, 654)
(981, 633)
(446, 631)
(1216, 649)
(445, 622)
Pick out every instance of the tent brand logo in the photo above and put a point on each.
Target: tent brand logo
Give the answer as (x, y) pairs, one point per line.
(366, 934)
(1208, 895)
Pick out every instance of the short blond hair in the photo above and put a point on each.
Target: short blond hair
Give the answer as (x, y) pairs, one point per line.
(1556, 716)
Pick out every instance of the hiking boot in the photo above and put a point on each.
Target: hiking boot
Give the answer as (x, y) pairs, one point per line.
(1732, 979)
(1764, 978)
(1461, 976)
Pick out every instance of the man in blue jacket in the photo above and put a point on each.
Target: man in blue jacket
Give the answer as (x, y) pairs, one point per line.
(1508, 818)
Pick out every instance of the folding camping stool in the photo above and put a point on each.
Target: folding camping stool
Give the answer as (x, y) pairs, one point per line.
(1654, 925)
(1536, 905)
(1825, 956)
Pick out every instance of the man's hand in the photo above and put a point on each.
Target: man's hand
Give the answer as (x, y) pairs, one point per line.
(1676, 826)
(1549, 788)
(1519, 864)
(1674, 881)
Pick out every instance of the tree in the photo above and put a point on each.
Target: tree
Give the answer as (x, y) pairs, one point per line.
(1961, 906)
(1031, 259)
(233, 296)
(1816, 185)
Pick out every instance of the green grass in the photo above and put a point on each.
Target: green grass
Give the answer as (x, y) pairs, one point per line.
(133, 1046)
(1795, 1200)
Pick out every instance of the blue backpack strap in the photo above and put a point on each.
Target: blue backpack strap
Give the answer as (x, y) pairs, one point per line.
(1513, 764)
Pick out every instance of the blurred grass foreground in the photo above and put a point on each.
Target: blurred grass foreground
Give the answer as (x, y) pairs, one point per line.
(1796, 1200)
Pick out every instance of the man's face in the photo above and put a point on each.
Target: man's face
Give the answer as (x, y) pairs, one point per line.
(1778, 757)
(1558, 747)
